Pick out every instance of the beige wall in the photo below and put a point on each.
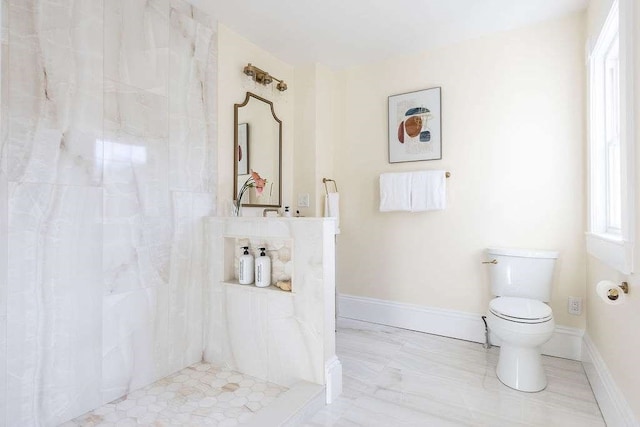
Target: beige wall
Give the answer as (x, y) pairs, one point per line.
(513, 139)
(305, 136)
(330, 106)
(596, 15)
(613, 329)
(234, 52)
(318, 106)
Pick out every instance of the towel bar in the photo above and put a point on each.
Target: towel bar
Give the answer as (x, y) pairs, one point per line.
(325, 180)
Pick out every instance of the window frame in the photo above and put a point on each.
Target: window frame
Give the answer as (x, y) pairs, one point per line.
(612, 246)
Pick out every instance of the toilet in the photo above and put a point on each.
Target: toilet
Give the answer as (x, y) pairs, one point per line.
(518, 316)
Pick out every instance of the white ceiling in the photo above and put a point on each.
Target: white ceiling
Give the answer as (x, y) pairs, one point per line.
(343, 33)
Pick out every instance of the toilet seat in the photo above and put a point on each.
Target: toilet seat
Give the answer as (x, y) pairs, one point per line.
(520, 310)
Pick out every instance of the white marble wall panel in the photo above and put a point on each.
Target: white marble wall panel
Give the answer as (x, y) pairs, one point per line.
(54, 302)
(137, 215)
(4, 180)
(135, 113)
(193, 53)
(215, 330)
(246, 324)
(105, 243)
(55, 92)
(137, 47)
(188, 274)
(193, 67)
(3, 371)
(293, 344)
(312, 267)
(4, 204)
(4, 82)
(134, 347)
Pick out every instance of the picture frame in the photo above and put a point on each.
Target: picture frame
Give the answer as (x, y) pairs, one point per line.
(243, 149)
(415, 126)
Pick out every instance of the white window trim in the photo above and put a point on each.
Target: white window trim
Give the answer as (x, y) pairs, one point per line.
(616, 250)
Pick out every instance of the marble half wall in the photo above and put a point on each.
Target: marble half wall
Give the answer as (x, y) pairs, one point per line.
(107, 168)
(279, 336)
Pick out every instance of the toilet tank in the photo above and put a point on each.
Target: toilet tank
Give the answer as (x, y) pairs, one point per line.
(524, 273)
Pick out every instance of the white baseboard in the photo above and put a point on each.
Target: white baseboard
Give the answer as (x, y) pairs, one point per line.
(613, 405)
(566, 342)
(333, 378)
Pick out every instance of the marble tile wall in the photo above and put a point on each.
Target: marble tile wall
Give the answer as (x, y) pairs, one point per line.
(108, 165)
(4, 206)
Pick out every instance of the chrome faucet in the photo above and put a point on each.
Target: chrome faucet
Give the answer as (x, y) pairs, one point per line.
(264, 212)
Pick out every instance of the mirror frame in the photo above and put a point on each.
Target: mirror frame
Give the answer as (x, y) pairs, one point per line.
(247, 98)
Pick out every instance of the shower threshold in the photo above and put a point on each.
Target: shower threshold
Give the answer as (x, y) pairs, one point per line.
(207, 395)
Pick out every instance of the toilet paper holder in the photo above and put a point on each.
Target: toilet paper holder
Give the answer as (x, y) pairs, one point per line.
(613, 293)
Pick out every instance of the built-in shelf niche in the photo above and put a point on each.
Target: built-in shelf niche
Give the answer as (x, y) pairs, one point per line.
(279, 250)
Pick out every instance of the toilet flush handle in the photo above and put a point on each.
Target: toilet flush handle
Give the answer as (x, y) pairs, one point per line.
(493, 261)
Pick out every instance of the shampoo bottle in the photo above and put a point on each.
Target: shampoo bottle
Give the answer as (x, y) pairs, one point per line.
(263, 269)
(245, 276)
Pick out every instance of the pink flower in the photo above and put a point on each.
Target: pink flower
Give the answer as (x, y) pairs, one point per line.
(253, 181)
(258, 182)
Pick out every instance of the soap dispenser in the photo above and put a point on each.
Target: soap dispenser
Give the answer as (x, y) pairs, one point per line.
(245, 276)
(263, 269)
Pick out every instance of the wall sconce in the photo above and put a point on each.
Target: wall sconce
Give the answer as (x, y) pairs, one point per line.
(262, 77)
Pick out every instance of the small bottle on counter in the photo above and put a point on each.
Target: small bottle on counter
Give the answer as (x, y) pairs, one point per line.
(245, 275)
(287, 212)
(263, 269)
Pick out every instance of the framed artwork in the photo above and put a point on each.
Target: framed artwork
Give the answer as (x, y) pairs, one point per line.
(415, 126)
(243, 148)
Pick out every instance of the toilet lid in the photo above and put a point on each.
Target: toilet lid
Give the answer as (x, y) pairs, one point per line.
(523, 310)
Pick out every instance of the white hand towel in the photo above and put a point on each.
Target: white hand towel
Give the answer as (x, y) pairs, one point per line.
(395, 192)
(332, 208)
(428, 191)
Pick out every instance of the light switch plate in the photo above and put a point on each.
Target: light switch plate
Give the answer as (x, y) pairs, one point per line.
(303, 200)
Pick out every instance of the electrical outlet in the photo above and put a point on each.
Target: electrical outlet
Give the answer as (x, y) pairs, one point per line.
(575, 306)
(303, 200)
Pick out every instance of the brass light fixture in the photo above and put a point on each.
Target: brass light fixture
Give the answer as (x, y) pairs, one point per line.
(262, 77)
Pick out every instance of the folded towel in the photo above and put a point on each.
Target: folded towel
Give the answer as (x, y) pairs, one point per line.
(428, 191)
(395, 192)
(332, 208)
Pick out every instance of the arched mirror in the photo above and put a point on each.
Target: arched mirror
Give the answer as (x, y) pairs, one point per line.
(258, 148)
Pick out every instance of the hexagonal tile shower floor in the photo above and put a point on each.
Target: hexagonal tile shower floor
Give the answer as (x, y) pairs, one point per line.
(199, 395)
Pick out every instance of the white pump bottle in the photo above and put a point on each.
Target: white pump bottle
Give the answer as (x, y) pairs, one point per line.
(245, 275)
(263, 269)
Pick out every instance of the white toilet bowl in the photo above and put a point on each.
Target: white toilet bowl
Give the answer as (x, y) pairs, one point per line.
(522, 325)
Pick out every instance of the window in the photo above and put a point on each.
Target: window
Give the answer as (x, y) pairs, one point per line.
(610, 139)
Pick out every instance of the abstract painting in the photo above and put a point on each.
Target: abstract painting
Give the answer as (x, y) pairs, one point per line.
(415, 126)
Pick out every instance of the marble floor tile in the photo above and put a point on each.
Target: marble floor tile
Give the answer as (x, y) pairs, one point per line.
(199, 395)
(396, 377)
(391, 377)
